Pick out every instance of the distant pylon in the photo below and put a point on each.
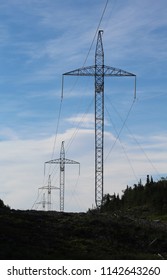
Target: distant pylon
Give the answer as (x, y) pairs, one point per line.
(62, 161)
(43, 202)
(49, 189)
(99, 71)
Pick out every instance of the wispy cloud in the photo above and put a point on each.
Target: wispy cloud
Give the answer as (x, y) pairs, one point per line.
(136, 31)
(8, 134)
(86, 121)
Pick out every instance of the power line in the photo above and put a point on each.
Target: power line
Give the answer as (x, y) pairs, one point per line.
(98, 27)
(123, 148)
(134, 138)
(57, 128)
(94, 37)
(79, 124)
(120, 131)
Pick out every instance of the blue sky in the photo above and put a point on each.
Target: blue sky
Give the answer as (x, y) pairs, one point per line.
(42, 39)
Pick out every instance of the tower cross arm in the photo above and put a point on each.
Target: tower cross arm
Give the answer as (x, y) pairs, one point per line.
(116, 72)
(69, 161)
(64, 161)
(51, 187)
(91, 71)
(53, 161)
(112, 71)
(84, 71)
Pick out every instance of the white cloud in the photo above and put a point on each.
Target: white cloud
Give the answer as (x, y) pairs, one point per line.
(22, 163)
(8, 134)
(84, 120)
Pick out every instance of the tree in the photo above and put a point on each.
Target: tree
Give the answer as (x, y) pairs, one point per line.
(2, 205)
(152, 197)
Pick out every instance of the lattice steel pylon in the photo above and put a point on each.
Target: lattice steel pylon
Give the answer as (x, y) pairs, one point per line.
(43, 202)
(62, 161)
(99, 71)
(49, 189)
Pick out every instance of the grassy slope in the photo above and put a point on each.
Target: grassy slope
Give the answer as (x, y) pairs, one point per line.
(54, 235)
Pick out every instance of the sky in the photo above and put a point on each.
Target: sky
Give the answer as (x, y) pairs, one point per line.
(42, 39)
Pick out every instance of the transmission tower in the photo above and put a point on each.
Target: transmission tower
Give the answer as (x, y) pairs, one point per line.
(62, 161)
(43, 202)
(99, 71)
(49, 189)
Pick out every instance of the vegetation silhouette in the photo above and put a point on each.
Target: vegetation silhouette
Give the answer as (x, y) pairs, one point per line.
(131, 227)
(144, 200)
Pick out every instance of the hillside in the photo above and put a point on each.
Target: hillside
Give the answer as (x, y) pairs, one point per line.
(131, 227)
(54, 235)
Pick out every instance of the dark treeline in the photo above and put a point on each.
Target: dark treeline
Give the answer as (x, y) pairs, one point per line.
(3, 206)
(150, 197)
